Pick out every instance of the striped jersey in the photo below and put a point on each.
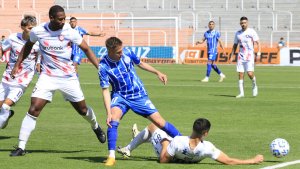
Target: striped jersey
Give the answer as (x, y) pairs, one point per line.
(245, 39)
(75, 48)
(212, 37)
(121, 75)
(23, 77)
(179, 148)
(55, 47)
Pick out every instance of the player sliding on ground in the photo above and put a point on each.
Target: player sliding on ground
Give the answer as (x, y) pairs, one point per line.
(185, 149)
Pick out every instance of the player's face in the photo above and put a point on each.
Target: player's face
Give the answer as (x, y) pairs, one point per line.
(27, 29)
(116, 54)
(211, 26)
(244, 24)
(58, 21)
(73, 23)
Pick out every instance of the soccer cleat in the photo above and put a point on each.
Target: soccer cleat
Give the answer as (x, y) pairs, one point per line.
(100, 134)
(206, 79)
(123, 151)
(222, 77)
(17, 152)
(239, 96)
(255, 91)
(10, 115)
(135, 131)
(110, 161)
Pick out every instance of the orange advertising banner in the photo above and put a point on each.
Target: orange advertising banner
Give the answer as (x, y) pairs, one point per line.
(198, 55)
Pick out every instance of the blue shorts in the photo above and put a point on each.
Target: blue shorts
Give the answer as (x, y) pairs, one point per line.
(212, 56)
(141, 106)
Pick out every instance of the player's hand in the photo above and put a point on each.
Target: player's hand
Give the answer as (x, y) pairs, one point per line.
(14, 71)
(197, 43)
(108, 120)
(258, 159)
(258, 54)
(38, 68)
(102, 34)
(162, 77)
(230, 58)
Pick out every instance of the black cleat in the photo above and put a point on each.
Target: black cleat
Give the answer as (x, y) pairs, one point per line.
(10, 115)
(17, 152)
(100, 134)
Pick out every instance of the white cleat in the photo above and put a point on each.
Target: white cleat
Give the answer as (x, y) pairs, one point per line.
(255, 91)
(222, 77)
(135, 130)
(239, 96)
(123, 151)
(206, 79)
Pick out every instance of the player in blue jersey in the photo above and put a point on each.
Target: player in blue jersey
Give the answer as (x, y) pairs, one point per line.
(76, 51)
(117, 69)
(212, 37)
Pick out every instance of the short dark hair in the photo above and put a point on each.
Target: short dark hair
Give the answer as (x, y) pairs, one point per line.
(244, 18)
(201, 125)
(112, 42)
(73, 18)
(211, 22)
(28, 19)
(55, 9)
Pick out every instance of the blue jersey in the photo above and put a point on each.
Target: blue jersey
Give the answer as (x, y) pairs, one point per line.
(121, 75)
(212, 38)
(76, 51)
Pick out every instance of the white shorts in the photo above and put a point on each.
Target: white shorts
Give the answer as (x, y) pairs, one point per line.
(245, 66)
(46, 87)
(156, 139)
(13, 93)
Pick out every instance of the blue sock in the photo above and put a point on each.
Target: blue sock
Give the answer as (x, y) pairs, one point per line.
(112, 135)
(215, 67)
(208, 70)
(171, 130)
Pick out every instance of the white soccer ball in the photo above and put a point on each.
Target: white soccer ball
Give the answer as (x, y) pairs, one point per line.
(279, 147)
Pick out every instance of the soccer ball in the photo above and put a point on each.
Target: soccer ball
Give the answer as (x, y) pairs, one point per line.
(279, 147)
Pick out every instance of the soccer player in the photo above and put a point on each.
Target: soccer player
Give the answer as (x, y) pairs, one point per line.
(245, 38)
(57, 73)
(212, 37)
(11, 90)
(185, 149)
(128, 92)
(76, 51)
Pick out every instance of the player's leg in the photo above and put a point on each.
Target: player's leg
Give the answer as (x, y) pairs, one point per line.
(250, 72)
(208, 69)
(240, 70)
(28, 124)
(216, 69)
(72, 92)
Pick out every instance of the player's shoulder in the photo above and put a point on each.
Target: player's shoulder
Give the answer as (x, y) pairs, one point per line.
(181, 139)
(128, 52)
(14, 36)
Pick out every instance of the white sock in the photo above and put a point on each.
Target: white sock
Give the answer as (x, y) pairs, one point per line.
(112, 153)
(91, 118)
(241, 86)
(27, 127)
(254, 82)
(4, 114)
(142, 137)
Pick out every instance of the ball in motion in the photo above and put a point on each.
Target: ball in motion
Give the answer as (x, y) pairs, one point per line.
(279, 147)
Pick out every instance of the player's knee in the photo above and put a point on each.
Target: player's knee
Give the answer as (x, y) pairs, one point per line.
(34, 111)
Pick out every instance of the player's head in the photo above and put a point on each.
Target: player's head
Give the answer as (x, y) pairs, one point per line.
(201, 127)
(2, 37)
(73, 22)
(57, 17)
(211, 25)
(27, 23)
(114, 48)
(244, 22)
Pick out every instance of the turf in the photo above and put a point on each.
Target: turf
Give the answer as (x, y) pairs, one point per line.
(240, 127)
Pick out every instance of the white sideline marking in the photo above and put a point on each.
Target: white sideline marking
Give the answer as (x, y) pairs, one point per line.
(282, 165)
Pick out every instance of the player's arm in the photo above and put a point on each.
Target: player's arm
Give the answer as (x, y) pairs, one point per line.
(201, 41)
(232, 51)
(145, 66)
(106, 100)
(89, 53)
(22, 55)
(101, 34)
(259, 49)
(225, 159)
(165, 157)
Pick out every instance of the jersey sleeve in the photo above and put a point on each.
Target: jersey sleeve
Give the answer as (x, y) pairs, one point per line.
(136, 60)
(211, 151)
(218, 35)
(171, 149)
(255, 36)
(236, 41)
(33, 37)
(76, 38)
(84, 31)
(6, 45)
(103, 76)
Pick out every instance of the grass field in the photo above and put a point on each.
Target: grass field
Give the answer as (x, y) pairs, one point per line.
(240, 127)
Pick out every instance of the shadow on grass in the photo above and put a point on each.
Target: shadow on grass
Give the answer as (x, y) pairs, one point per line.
(5, 137)
(48, 151)
(223, 95)
(101, 159)
(272, 161)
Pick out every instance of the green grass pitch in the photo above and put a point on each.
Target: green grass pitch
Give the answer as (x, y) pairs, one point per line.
(240, 127)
